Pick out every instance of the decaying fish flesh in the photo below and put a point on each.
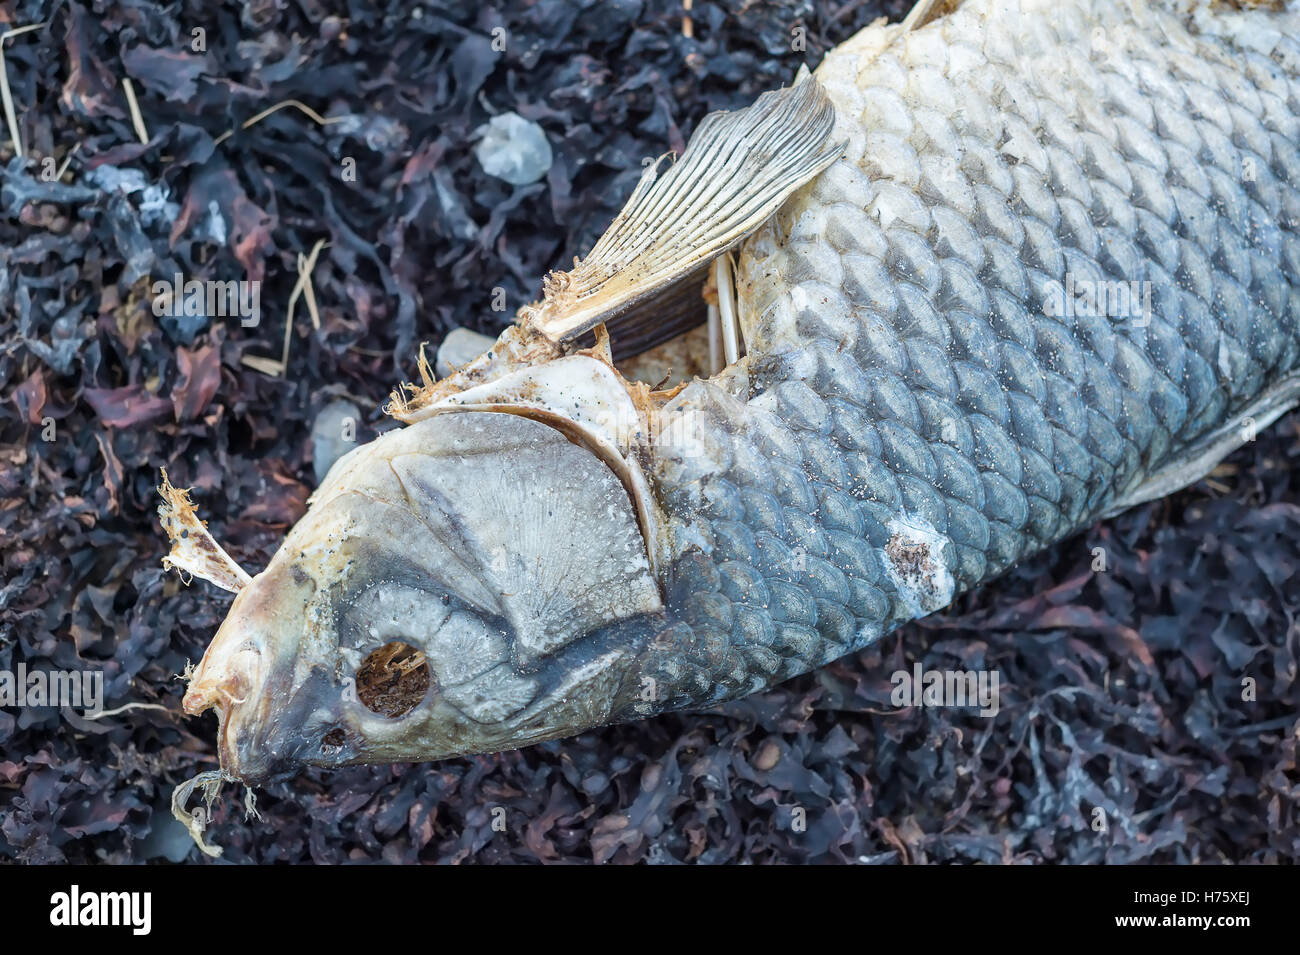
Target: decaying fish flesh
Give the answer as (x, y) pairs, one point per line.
(986, 277)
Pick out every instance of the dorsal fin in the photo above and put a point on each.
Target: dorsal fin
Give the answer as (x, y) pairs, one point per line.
(737, 170)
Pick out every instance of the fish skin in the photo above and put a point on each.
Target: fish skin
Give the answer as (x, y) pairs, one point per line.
(907, 423)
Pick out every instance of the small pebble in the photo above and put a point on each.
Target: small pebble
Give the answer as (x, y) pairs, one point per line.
(767, 757)
(166, 839)
(333, 434)
(459, 347)
(514, 149)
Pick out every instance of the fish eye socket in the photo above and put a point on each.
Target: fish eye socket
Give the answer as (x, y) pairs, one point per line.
(393, 679)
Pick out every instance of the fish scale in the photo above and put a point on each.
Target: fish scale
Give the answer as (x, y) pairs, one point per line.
(905, 368)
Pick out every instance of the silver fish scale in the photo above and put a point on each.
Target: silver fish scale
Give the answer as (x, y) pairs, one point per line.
(913, 420)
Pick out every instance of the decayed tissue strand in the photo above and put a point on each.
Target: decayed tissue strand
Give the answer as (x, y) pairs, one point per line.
(194, 551)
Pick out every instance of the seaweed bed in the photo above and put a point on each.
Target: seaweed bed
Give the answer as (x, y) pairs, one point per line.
(1122, 689)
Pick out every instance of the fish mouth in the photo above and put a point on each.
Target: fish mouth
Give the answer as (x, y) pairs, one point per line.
(245, 671)
(227, 686)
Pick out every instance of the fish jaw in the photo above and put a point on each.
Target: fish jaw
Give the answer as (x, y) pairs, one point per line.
(247, 671)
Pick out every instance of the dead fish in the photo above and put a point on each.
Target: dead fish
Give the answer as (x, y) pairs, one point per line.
(988, 276)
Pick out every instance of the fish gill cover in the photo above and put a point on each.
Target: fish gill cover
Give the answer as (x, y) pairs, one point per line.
(1123, 653)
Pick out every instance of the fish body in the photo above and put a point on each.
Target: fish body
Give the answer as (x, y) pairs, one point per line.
(1055, 273)
(1030, 264)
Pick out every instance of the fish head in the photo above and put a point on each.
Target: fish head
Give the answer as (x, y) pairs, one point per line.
(473, 582)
